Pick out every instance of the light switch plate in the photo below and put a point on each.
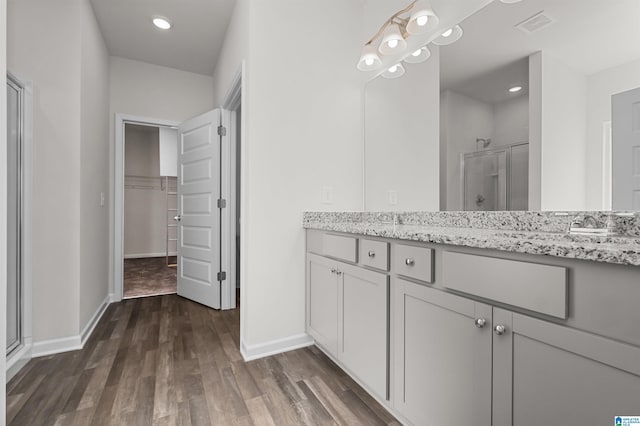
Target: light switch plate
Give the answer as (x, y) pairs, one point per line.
(327, 195)
(393, 197)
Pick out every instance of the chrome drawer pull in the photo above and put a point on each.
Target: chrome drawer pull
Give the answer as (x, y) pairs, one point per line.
(480, 322)
(409, 261)
(499, 330)
(372, 253)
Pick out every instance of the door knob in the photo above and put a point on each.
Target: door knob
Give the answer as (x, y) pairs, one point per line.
(480, 322)
(499, 330)
(177, 218)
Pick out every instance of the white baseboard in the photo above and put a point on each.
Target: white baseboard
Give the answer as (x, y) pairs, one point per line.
(56, 346)
(91, 325)
(72, 343)
(144, 255)
(261, 350)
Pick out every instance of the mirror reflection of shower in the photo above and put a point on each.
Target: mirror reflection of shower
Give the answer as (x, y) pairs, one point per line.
(496, 179)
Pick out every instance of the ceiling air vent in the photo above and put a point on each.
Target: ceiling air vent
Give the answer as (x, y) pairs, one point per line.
(535, 23)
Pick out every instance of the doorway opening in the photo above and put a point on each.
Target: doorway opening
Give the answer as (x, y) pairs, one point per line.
(150, 208)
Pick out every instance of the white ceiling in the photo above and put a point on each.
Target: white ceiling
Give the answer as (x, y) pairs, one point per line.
(587, 35)
(493, 87)
(193, 44)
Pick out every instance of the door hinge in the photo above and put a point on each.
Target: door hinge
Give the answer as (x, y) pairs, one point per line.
(222, 203)
(222, 276)
(222, 131)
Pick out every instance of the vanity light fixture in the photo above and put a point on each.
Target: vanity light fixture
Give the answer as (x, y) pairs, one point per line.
(515, 89)
(510, 1)
(394, 71)
(417, 18)
(450, 36)
(418, 56)
(161, 22)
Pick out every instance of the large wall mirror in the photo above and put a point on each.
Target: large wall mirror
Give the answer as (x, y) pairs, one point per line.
(535, 107)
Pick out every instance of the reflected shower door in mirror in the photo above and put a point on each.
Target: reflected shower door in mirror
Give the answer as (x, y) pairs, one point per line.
(537, 77)
(495, 179)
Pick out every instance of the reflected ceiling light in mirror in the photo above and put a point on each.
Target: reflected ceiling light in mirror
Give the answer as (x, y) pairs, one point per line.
(161, 22)
(369, 60)
(423, 19)
(510, 1)
(449, 36)
(392, 40)
(394, 71)
(419, 56)
(515, 89)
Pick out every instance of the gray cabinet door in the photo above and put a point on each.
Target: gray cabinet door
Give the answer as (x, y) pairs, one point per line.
(546, 374)
(322, 302)
(363, 326)
(442, 360)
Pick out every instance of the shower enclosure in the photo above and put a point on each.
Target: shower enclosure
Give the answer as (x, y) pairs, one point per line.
(496, 179)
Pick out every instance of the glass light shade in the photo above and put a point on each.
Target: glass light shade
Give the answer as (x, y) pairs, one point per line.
(394, 71)
(369, 60)
(392, 41)
(419, 56)
(422, 19)
(449, 36)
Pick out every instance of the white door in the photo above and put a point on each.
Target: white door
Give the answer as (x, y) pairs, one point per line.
(626, 150)
(198, 212)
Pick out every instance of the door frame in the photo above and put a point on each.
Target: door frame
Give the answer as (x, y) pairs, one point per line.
(117, 262)
(23, 353)
(232, 101)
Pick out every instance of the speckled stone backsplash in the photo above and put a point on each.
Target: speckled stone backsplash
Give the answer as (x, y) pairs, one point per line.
(624, 223)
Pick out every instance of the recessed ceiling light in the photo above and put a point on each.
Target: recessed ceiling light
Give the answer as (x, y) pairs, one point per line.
(515, 89)
(161, 22)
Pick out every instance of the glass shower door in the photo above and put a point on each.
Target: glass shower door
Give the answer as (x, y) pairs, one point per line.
(14, 215)
(485, 180)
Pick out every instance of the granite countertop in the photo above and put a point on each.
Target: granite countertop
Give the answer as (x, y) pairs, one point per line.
(623, 250)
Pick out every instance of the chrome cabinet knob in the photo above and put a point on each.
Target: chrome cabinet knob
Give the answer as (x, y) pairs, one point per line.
(480, 322)
(334, 270)
(499, 329)
(409, 261)
(339, 272)
(372, 253)
(177, 218)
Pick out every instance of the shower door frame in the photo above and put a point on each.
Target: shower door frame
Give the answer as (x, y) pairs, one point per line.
(503, 148)
(20, 353)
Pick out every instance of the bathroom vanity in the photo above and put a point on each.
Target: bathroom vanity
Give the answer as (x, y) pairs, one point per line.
(446, 324)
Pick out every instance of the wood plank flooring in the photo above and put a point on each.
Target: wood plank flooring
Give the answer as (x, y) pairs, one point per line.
(149, 276)
(168, 361)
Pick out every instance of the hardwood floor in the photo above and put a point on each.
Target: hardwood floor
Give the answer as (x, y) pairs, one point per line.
(149, 276)
(168, 361)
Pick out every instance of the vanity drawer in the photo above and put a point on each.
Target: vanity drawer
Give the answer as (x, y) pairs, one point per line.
(538, 288)
(345, 248)
(413, 262)
(374, 254)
